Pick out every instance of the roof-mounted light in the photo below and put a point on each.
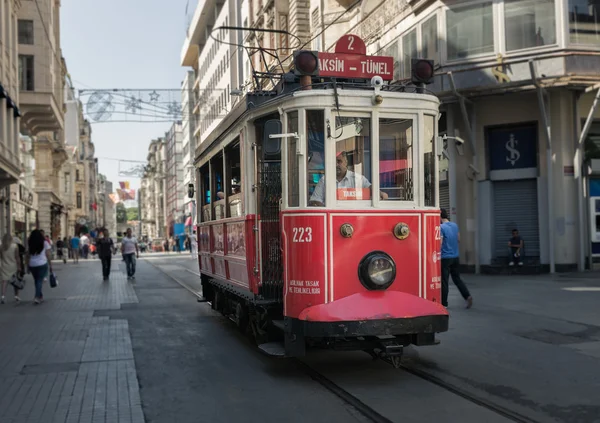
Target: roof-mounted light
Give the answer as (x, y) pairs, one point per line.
(306, 62)
(422, 71)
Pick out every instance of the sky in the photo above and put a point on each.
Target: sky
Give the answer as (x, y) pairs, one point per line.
(124, 44)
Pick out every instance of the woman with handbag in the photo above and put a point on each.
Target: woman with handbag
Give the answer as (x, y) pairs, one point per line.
(39, 260)
(10, 266)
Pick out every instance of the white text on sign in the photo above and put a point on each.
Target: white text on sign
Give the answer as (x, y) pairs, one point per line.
(302, 234)
(304, 287)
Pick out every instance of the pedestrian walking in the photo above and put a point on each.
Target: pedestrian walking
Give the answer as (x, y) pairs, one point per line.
(60, 250)
(130, 253)
(10, 265)
(105, 248)
(75, 242)
(85, 249)
(450, 260)
(39, 261)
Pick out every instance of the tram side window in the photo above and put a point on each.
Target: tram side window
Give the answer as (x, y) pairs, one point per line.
(205, 192)
(293, 171)
(217, 185)
(234, 176)
(430, 156)
(353, 158)
(315, 130)
(396, 158)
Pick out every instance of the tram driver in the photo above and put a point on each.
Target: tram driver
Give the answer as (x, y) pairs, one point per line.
(344, 179)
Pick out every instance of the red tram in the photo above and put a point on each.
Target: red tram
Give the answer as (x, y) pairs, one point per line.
(325, 227)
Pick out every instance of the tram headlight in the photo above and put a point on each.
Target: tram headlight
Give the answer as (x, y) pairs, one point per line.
(377, 270)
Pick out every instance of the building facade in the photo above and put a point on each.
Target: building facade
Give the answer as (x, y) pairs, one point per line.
(519, 84)
(174, 176)
(152, 193)
(42, 72)
(10, 114)
(217, 63)
(189, 148)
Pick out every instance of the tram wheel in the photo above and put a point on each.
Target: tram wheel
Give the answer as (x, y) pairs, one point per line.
(241, 317)
(217, 300)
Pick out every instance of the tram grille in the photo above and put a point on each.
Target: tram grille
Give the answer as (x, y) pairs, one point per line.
(271, 260)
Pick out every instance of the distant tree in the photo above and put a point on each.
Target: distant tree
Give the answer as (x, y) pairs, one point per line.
(132, 214)
(121, 213)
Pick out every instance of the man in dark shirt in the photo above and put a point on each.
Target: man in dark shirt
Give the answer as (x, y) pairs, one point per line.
(516, 245)
(105, 248)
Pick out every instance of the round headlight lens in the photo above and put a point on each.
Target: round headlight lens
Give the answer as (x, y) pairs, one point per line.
(377, 271)
(380, 270)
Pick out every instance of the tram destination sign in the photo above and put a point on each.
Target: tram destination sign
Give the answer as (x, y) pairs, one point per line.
(351, 61)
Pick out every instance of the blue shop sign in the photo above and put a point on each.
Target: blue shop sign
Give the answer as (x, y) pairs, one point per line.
(512, 147)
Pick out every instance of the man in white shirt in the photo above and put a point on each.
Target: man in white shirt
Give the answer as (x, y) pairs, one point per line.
(345, 179)
(129, 248)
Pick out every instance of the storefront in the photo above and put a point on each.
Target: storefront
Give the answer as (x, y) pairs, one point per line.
(24, 213)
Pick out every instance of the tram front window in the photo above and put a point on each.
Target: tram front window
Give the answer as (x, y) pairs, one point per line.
(352, 136)
(396, 158)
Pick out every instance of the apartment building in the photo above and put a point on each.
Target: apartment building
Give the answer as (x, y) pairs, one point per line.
(152, 194)
(42, 72)
(188, 147)
(216, 64)
(519, 85)
(10, 114)
(174, 176)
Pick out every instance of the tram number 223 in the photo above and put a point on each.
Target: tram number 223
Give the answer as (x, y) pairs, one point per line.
(302, 234)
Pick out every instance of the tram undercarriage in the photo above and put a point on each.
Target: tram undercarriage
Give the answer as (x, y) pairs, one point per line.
(277, 336)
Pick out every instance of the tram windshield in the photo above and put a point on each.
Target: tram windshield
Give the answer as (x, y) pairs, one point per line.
(352, 136)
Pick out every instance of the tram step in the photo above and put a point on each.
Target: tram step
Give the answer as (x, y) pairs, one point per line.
(202, 300)
(274, 349)
(280, 324)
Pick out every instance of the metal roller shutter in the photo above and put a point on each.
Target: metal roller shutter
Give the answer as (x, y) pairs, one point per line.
(445, 197)
(515, 206)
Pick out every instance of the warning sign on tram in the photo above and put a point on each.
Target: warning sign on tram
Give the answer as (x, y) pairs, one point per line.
(351, 61)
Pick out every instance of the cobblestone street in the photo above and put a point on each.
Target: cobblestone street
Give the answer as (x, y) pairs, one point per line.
(147, 351)
(61, 362)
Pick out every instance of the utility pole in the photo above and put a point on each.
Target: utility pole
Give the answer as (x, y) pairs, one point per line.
(139, 214)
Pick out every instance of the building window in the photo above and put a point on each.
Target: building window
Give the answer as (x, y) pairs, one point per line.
(26, 73)
(409, 51)
(79, 202)
(470, 31)
(67, 183)
(529, 23)
(429, 39)
(77, 175)
(584, 22)
(25, 32)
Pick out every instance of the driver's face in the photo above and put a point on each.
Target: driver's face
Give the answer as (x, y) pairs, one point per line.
(341, 165)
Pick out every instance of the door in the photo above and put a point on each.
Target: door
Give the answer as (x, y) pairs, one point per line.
(516, 207)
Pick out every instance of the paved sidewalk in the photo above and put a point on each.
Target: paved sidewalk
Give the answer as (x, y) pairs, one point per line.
(61, 363)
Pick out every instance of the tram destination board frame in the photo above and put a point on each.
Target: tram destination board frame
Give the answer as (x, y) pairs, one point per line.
(350, 60)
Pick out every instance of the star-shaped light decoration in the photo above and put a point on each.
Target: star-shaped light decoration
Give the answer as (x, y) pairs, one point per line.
(133, 104)
(154, 96)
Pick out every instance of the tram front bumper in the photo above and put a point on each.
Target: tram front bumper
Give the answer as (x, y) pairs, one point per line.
(373, 313)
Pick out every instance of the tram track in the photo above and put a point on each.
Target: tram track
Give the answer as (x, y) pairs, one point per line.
(489, 405)
(369, 412)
